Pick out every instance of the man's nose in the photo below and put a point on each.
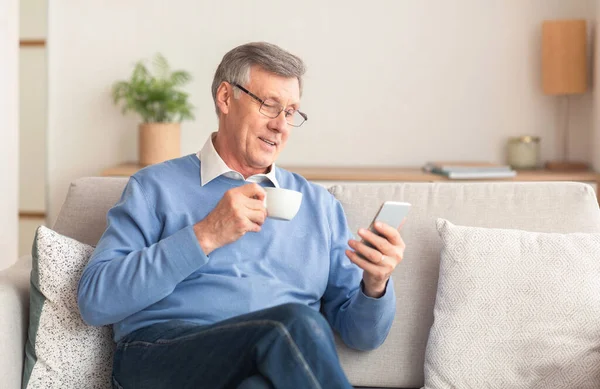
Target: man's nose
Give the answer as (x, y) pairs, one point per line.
(280, 122)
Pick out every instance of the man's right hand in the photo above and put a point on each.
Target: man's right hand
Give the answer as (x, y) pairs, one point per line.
(239, 211)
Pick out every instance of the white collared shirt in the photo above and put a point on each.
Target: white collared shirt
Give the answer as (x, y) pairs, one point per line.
(213, 166)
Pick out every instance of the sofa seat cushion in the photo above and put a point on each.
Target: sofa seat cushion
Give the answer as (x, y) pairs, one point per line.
(515, 309)
(61, 350)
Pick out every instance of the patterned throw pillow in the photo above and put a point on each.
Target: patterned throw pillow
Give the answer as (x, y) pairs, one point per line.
(515, 309)
(61, 350)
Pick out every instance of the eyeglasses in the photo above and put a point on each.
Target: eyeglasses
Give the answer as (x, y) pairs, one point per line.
(272, 109)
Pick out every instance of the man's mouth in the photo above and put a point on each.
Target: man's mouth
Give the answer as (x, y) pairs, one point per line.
(269, 142)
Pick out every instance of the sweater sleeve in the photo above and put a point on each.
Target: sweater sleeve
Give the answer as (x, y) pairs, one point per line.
(363, 322)
(131, 267)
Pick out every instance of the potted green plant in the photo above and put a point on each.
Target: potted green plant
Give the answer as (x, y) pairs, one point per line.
(156, 96)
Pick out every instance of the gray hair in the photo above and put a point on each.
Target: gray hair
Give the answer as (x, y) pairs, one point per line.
(235, 65)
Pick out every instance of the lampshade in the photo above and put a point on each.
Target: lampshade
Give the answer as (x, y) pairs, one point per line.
(564, 64)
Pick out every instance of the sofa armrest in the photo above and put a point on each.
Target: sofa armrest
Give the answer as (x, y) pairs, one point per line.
(14, 319)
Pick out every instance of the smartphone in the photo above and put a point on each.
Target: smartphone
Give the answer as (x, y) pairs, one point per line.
(390, 212)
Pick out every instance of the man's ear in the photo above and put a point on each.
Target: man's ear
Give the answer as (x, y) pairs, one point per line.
(224, 97)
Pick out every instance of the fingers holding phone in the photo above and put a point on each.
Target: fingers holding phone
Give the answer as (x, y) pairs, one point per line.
(383, 232)
(386, 233)
(381, 248)
(385, 240)
(385, 244)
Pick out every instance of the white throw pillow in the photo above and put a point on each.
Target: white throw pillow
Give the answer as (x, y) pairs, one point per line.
(515, 309)
(62, 351)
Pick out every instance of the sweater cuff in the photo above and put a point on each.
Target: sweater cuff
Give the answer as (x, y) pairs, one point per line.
(362, 300)
(186, 251)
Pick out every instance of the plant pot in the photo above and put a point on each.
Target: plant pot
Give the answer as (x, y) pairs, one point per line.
(159, 142)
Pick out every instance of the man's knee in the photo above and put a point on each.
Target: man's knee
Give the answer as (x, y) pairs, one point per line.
(304, 318)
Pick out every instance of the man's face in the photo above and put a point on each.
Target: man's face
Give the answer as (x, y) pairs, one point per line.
(249, 141)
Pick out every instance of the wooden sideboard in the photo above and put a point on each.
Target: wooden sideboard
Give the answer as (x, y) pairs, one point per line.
(395, 174)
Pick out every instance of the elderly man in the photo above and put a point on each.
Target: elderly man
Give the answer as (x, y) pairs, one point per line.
(203, 290)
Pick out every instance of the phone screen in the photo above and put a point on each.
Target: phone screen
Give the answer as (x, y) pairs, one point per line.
(391, 213)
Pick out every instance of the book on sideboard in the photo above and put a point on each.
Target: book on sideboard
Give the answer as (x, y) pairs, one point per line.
(469, 170)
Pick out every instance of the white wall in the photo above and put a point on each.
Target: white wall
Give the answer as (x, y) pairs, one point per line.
(9, 121)
(390, 82)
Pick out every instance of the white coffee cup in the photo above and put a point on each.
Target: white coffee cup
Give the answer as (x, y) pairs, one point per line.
(282, 204)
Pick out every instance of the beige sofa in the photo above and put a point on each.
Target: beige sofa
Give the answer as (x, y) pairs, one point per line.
(550, 207)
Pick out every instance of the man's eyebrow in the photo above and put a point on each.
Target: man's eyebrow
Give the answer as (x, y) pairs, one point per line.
(273, 97)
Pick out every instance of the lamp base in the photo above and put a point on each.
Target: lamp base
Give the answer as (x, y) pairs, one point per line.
(566, 166)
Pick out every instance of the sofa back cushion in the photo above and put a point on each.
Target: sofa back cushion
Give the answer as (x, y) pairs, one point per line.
(83, 213)
(544, 207)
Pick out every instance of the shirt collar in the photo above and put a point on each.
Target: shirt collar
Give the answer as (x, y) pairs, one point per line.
(213, 166)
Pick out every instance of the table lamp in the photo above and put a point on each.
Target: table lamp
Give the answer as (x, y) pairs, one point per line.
(564, 73)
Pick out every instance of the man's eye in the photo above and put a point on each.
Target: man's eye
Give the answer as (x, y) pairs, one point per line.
(289, 113)
(270, 104)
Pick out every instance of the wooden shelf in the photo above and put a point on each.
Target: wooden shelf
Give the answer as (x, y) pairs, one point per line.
(123, 170)
(415, 174)
(397, 174)
(32, 215)
(32, 43)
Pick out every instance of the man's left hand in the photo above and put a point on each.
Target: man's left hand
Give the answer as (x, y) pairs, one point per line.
(380, 261)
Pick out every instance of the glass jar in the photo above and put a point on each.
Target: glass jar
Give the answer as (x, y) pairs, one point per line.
(524, 152)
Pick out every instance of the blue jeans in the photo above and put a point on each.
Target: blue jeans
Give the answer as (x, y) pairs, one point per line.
(288, 346)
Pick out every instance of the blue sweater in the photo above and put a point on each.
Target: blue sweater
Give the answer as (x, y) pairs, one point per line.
(148, 266)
